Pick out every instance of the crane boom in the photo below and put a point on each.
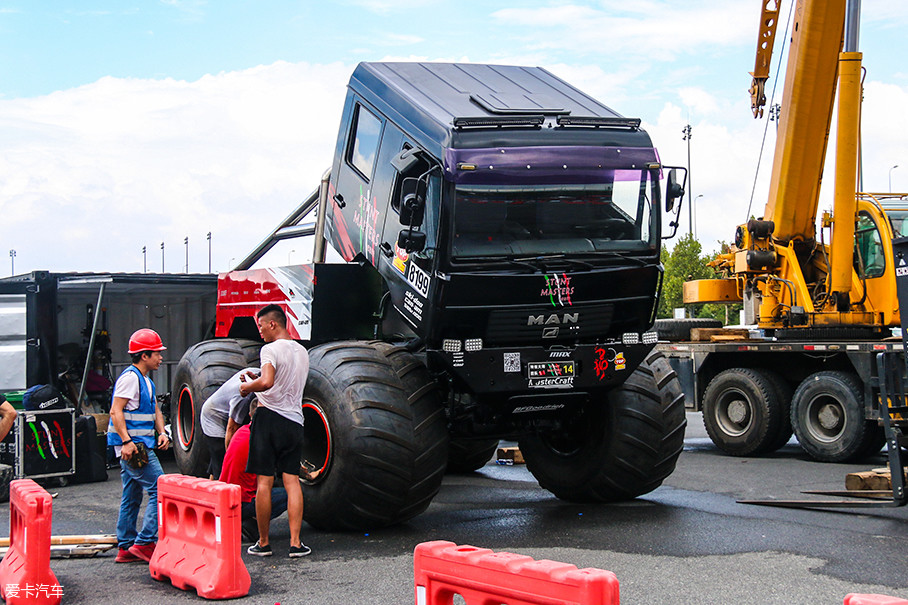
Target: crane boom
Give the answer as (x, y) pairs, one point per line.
(810, 84)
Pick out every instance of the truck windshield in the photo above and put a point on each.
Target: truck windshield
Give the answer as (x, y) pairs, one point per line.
(496, 220)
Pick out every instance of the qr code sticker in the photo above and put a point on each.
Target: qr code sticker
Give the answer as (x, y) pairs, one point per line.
(512, 362)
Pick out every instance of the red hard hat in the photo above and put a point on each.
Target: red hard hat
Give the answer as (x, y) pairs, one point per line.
(145, 339)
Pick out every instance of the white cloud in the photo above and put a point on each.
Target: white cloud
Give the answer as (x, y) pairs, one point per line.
(106, 168)
(656, 29)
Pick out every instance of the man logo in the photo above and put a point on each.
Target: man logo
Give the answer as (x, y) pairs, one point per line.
(553, 319)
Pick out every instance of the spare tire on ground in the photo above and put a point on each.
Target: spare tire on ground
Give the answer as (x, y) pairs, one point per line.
(679, 329)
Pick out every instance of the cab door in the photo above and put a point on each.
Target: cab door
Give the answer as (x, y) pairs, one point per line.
(353, 225)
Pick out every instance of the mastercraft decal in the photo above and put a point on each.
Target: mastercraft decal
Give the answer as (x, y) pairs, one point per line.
(558, 290)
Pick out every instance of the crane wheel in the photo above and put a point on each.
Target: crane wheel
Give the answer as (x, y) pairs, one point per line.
(827, 415)
(746, 411)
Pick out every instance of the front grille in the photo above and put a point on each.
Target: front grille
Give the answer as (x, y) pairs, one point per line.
(548, 324)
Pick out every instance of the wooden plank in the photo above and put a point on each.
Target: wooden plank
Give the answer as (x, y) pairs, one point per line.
(69, 551)
(76, 539)
(510, 455)
(876, 479)
(707, 334)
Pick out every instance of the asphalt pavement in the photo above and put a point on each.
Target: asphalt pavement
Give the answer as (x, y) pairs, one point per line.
(687, 542)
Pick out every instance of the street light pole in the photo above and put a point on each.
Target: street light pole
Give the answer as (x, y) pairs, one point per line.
(690, 189)
(162, 257)
(209, 251)
(186, 241)
(144, 260)
(890, 177)
(12, 262)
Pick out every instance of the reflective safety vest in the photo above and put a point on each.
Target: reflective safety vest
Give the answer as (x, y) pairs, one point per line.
(140, 421)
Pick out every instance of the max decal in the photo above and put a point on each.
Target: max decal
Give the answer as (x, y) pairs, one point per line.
(558, 290)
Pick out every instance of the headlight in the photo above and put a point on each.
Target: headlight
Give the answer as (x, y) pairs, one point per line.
(473, 344)
(630, 338)
(650, 338)
(450, 345)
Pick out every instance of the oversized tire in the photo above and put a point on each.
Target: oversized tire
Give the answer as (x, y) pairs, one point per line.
(7, 474)
(616, 449)
(201, 371)
(827, 415)
(744, 412)
(679, 329)
(375, 426)
(468, 455)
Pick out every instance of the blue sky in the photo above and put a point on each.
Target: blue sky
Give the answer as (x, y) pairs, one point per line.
(181, 117)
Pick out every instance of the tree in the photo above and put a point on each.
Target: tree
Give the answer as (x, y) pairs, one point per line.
(685, 263)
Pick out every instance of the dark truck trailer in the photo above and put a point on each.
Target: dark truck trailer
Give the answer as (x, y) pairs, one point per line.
(49, 322)
(756, 392)
(500, 237)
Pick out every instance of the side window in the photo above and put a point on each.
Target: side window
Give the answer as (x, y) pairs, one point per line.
(363, 146)
(869, 247)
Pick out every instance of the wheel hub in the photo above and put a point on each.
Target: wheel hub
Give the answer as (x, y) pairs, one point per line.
(733, 413)
(830, 417)
(737, 411)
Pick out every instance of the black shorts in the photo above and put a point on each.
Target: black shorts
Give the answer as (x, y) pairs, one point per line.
(275, 444)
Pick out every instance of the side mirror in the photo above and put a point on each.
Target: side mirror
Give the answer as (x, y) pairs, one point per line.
(411, 240)
(413, 201)
(406, 160)
(673, 190)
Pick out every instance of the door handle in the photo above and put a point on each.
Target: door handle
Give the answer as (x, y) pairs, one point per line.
(386, 249)
(340, 200)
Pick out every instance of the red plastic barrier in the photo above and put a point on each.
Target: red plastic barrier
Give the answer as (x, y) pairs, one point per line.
(873, 599)
(482, 577)
(25, 575)
(199, 537)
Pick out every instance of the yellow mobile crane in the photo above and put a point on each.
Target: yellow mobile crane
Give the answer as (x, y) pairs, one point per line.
(824, 305)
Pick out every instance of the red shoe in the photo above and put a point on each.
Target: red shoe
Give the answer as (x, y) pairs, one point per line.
(143, 551)
(125, 556)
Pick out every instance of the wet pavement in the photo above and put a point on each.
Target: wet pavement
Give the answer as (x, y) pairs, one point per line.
(687, 542)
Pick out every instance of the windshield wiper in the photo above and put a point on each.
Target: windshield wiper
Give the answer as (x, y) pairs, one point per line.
(498, 258)
(573, 262)
(624, 256)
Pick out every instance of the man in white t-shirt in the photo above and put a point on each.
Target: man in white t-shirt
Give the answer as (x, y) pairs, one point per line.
(134, 417)
(276, 434)
(226, 409)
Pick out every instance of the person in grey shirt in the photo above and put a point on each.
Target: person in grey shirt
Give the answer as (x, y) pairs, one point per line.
(226, 409)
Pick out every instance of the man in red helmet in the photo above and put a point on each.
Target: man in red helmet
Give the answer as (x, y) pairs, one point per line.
(133, 420)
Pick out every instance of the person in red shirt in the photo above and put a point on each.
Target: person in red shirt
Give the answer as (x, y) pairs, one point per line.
(234, 471)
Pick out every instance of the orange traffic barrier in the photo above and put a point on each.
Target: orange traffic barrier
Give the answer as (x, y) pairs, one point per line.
(199, 537)
(480, 576)
(25, 574)
(873, 599)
